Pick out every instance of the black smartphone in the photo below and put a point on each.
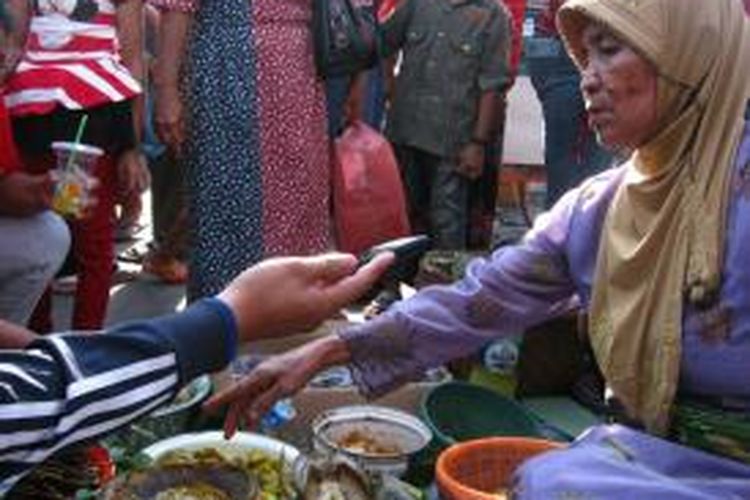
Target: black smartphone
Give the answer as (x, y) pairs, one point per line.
(408, 251)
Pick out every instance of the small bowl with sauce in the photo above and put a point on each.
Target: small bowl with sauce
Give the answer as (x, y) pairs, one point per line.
(380, 440)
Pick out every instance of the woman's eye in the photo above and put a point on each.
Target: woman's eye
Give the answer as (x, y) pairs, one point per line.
(608, 45)
(609, 49)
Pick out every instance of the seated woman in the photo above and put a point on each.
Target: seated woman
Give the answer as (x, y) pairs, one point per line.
(653, 250)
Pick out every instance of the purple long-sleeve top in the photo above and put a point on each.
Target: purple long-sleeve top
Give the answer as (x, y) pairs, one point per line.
(549, 273)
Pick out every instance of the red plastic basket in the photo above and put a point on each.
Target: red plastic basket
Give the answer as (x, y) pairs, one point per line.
(481, 469)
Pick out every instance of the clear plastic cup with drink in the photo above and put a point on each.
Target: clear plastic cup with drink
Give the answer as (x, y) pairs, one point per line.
(74, 177)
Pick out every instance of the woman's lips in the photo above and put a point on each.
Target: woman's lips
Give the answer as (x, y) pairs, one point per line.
(597, 116)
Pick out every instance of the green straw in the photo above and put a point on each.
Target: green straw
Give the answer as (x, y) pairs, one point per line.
(77, 140)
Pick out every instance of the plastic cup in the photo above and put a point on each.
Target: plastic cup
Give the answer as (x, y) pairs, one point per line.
(73, 175)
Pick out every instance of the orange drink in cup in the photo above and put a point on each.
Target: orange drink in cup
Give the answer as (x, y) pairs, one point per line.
(73, 176)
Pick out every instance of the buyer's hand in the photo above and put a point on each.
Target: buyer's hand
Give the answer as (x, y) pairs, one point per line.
(471, 160)
(294, 294)
(274, 379)
(22, 194)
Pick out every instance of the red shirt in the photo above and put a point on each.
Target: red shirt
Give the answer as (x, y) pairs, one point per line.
(9, 158)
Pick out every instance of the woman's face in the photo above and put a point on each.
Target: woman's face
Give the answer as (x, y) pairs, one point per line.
(619, 89)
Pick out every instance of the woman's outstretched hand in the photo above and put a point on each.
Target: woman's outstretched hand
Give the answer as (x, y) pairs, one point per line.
(276, 378)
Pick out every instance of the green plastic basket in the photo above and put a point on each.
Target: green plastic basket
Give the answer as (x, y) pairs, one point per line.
(458, 411)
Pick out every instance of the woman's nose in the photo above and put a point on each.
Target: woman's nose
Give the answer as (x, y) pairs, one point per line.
(590, 80)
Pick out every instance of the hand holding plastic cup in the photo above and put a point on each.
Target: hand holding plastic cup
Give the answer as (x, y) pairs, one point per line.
(73, 176)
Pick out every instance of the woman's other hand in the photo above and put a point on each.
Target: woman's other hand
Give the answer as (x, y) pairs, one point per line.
(276, 378)
(23, 194)
(287, 295)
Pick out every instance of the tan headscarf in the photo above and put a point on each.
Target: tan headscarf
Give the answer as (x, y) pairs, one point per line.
(663, 237)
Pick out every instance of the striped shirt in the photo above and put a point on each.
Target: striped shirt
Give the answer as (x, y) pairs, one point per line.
(71, 388)
(71, 60)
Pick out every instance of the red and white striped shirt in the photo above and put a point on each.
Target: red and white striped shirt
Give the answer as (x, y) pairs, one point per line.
(71, 60)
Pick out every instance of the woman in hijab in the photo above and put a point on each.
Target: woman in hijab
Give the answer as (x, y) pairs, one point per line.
(654, 250)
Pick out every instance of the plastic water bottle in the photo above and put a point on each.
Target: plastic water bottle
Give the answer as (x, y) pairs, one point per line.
(282, 412)
(500, 359)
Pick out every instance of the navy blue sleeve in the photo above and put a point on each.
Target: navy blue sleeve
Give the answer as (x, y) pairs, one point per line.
(204, 336)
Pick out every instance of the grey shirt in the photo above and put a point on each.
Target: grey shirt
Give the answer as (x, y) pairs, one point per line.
(453, 51)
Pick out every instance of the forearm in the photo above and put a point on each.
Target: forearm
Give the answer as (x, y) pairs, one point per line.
(516, 288)
(130, 37)
(173, 32)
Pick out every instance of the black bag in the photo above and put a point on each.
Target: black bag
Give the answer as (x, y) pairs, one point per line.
(345, 36)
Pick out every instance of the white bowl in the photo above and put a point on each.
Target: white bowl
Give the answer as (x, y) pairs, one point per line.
(241, 442)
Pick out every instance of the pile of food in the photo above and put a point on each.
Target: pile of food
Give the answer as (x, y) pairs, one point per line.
(273, 478)
(211, 473)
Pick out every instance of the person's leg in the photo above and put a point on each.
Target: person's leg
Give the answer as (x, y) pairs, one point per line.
(167, 193)
(131, 207)
(36, 162)
(449, 204)
(93, 248)
(167, 254)
(416, 178)
(32, 249)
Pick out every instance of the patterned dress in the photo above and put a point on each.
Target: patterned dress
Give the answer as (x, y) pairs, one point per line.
(257, 155)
